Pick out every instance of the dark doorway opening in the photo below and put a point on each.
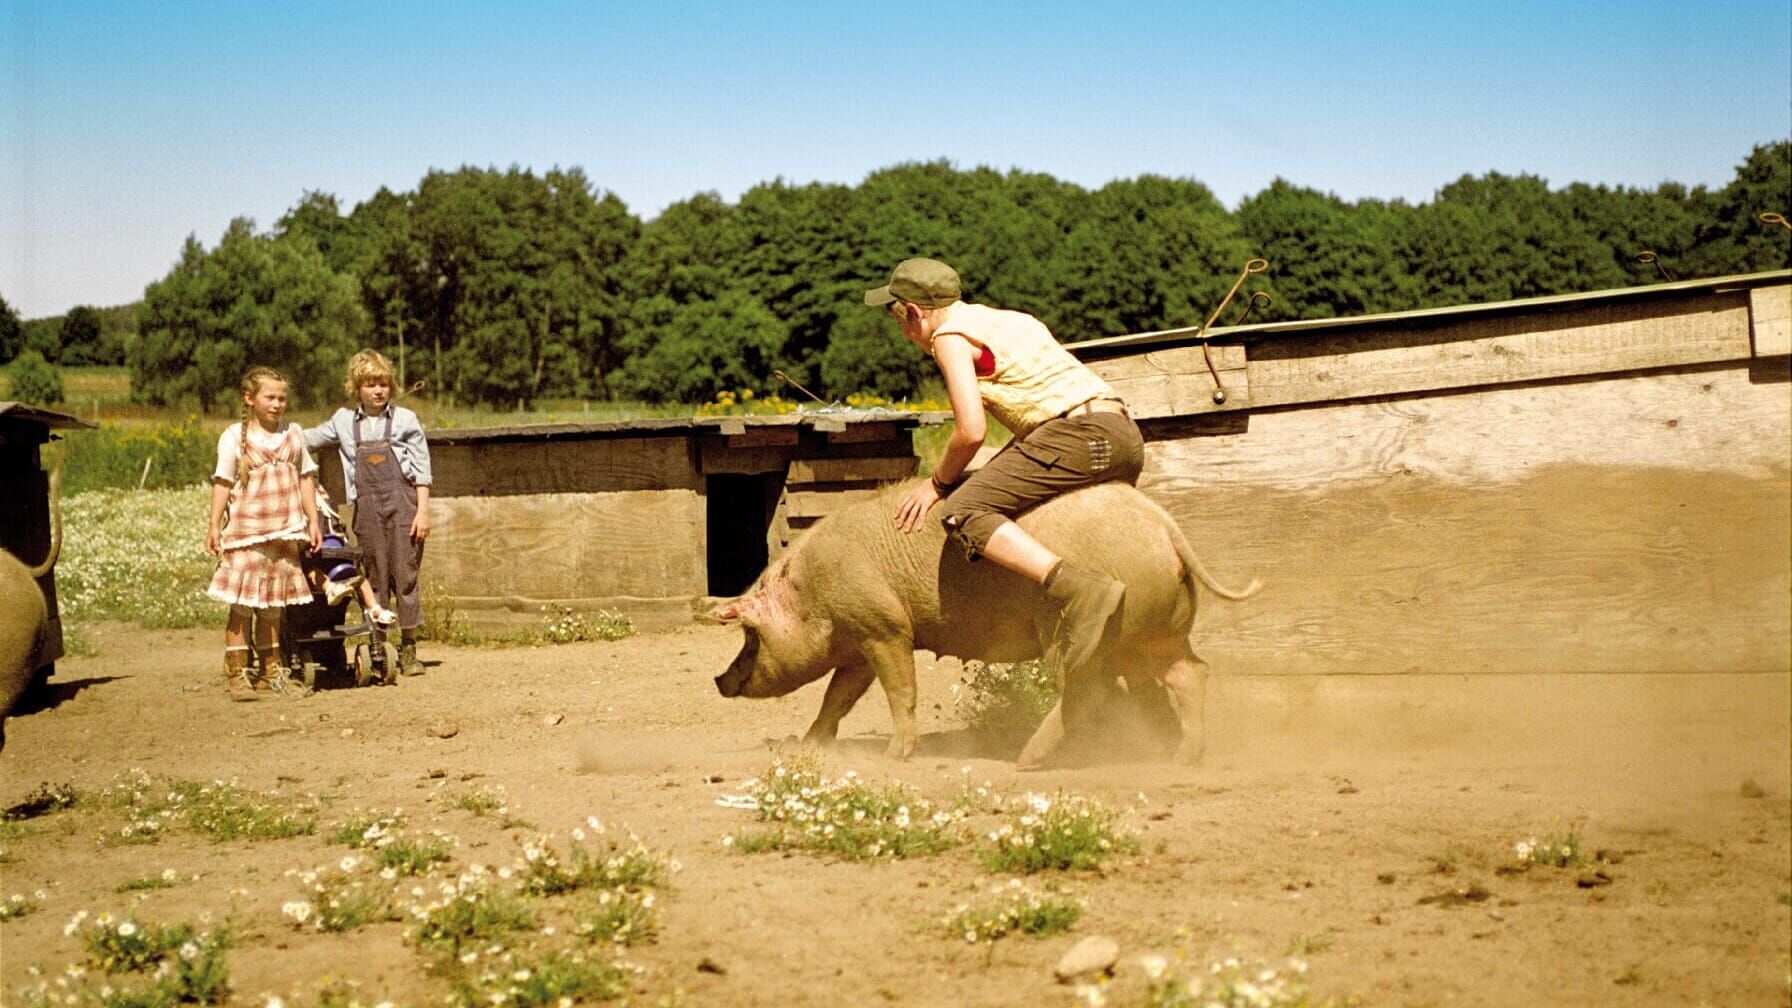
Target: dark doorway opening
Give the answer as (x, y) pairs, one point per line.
(738, 513)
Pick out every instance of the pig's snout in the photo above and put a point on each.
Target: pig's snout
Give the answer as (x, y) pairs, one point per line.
(728, 683)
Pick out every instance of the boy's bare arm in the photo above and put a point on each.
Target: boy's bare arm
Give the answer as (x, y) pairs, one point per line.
(420, 524)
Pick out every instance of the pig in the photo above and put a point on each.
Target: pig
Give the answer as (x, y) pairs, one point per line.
(24, 615)
(857, 596)
(23, 620)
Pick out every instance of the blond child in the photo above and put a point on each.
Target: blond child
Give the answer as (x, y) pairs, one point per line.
(263, 508)
(385, 469)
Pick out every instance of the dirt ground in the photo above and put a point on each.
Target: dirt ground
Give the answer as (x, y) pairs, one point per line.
(1371, 852)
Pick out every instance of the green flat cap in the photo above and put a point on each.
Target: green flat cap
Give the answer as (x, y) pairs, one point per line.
(926, 282)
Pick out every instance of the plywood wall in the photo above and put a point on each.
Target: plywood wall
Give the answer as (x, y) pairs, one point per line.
(1635, 523)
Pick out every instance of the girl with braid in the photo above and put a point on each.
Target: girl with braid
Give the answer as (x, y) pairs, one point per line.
(264, 506)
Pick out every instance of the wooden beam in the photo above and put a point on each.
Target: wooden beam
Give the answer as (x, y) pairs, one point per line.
(1603, 339)
(1770, 320)
(599, 465)
(749, 437)
(885, 468)
(716, 456)
(860, 433)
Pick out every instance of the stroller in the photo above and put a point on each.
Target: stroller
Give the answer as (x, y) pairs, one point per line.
(327, 651)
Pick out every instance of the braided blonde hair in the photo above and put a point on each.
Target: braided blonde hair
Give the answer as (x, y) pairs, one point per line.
(251, 384)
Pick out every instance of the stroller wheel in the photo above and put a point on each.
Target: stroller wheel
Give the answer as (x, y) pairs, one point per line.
(388, 666)
(365, 673)
(308, 673)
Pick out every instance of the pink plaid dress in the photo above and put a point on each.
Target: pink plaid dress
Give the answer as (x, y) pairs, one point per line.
(261, 539)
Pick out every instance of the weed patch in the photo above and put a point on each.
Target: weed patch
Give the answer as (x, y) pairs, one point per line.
(844, 816)
(218, 810)
(1062, 833)
(1013, 908)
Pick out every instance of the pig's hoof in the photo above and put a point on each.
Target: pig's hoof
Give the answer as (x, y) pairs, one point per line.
(900, 749)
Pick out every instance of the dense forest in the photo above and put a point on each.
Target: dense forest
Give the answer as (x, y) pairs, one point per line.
(501, 287)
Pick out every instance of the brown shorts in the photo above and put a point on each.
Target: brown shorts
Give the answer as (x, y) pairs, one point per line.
(1059, 456)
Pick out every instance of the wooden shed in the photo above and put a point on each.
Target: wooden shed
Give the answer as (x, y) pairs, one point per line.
(25, 501)
(642, 516)
(1589, 493)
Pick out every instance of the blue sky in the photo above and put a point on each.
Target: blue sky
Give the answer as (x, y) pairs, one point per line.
(125, 127)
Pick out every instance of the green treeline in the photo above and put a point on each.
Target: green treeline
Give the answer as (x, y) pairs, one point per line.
(502, 287)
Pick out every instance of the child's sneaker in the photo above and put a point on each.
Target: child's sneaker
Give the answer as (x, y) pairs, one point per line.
(383, 617)
(336, 591)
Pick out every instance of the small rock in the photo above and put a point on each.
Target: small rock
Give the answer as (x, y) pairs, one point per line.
(1593, 879)
(1385, 878)
(708, 965)
(444, 729)
(1094, 954)
(436, 774)
(346, 732)
(1750, 789)
(1472, 893)
(550, 720)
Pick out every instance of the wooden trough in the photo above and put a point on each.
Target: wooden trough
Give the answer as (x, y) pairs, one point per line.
(647, 517)
(1582, 496)
(25, 501)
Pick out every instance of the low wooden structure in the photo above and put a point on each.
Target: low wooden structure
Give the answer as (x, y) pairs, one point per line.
(647, 517)
(25, 526)
(1596, 485)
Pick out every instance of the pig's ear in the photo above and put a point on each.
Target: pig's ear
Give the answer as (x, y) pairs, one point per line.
(725, 611)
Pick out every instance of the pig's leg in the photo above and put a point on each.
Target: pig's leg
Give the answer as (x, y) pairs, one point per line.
(1045, 740)
(893, 662)
(1186, 683)
(846, 687)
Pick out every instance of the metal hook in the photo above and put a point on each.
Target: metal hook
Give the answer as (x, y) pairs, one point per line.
(1259, 299)
(1251, 266)
(1647, 257)
(779, 374)
(1769, 217)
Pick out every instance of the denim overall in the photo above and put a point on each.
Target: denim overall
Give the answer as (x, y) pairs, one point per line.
(385, 506)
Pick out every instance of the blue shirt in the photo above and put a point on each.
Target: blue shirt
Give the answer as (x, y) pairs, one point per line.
(409, 445)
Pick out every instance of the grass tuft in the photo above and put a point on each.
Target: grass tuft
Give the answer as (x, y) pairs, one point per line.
(1013, 909)
(1062, 833)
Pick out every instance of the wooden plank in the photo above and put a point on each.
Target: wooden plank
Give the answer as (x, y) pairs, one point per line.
(1603, 339)
(570, 545)
(1770, 320)
(861, 433)
(877, 468)
(497, 469)
(1175, 381)
(815, 504)
(716, 456)
(754, 437)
